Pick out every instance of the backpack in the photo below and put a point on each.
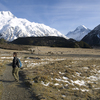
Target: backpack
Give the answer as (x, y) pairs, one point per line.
(20, 63)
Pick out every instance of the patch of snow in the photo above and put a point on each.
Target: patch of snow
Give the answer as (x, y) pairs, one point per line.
(94, 65)
(68, 66)
(56, 84)
(92, 78)
(61, 73)
(81, 59)
(53, 59)
(6, 57)
(36, 64)
(47, 84)
(65, 78)
(99, 71)
(60, 59)
(94, 71)
(73, 76)
(85, 68)
(52, 79)
(78, 74)
(79, 82)
(48, 59)
(83, 90)
(66, 85)
(58, 79)
(97, 88)
(75, 88)
(62, 80)
(26, 61)
(74, 62)
(63, 96)
(98, 66)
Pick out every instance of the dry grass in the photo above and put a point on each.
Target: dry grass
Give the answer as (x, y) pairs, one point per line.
(52, 72)
(2, 68)
(58, 79)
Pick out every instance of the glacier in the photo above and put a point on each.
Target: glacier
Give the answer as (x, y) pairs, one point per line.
(12, 28)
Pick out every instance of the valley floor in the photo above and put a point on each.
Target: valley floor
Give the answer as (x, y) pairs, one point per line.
(57, 73)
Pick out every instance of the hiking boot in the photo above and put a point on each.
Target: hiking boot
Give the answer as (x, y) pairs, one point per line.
(16, 80)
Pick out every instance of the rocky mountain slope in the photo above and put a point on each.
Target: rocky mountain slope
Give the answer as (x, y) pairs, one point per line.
(93, 38)
(78, 33)
(12, 27)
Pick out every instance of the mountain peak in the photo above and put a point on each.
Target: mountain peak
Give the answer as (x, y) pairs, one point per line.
(6, 14)
(78, 33)
(81, 27)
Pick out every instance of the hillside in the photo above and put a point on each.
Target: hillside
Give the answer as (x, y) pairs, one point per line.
(50, 41)
(93, 38)
(5, 45)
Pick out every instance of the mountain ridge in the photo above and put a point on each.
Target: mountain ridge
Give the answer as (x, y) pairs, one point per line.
(12, 27)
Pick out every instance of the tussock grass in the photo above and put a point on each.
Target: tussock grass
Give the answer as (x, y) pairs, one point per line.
(59, 80)
(2, 68)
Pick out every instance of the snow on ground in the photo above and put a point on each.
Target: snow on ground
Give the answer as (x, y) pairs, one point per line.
(61, 73)
(32, 63)
(61, 80)
(63, 96)
(36, 64)
(6, 57)
(74, 62)
(56, 84)
(65, 78)
(49, 59)
(78, 74)
(45, 84)
(79, 82)
(81, 59)
(83, 90)
(85, 68)
(93, 78)
(99, 71)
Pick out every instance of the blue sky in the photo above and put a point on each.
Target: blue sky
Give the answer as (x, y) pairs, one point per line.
(63, 15)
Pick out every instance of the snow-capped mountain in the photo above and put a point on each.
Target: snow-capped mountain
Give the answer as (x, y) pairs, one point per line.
(93, 38)
(78, 33)
(12, 27)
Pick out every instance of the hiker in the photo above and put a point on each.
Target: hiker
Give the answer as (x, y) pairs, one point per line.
(15, 66)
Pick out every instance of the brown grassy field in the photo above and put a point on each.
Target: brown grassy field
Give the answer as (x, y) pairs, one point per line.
(2, 68)
(60, 73)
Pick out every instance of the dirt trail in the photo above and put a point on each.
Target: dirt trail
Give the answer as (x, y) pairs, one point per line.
(14, 90)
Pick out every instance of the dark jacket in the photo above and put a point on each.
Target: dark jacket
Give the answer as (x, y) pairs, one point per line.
(15, 62)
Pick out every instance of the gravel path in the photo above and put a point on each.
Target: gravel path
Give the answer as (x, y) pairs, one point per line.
(14, 90)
